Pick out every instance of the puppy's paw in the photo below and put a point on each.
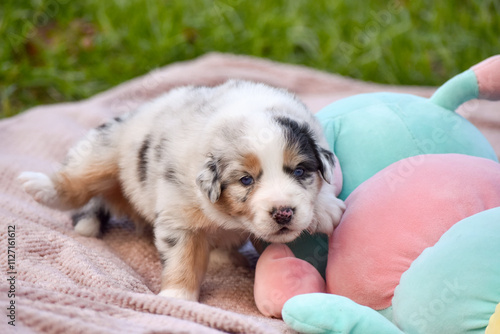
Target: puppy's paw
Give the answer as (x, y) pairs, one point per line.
(328, 212)
(334, 212)
(41, 188)
(180, 294)
(88, 227)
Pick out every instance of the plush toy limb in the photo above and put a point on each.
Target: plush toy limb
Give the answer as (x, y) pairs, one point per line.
(452, 287)
(279, 276)
(325, 313)
(481, 81)
(488, 78)
(459, 89)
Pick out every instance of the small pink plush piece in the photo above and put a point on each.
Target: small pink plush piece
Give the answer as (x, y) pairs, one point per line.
(337, 176)
(393, 216)
(280, 276)
(488, 78)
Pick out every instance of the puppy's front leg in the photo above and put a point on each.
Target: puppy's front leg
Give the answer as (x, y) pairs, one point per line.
(184, 255)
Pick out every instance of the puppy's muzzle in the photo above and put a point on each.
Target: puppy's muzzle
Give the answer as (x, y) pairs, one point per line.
(282, 215)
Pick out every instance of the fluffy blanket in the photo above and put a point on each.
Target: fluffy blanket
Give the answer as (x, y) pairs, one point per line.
(56, 281)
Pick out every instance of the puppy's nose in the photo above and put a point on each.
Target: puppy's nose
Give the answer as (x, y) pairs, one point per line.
(282, 215)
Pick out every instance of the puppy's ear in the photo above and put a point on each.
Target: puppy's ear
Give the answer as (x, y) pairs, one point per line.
(326, 164)
(209, 179)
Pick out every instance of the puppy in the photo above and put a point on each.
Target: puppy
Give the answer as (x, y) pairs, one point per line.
(206, 168)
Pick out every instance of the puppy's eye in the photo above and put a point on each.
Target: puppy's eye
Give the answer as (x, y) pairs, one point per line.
(246, 180)
(298, 172)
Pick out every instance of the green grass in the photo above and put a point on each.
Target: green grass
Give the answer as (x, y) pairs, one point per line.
(61, 50)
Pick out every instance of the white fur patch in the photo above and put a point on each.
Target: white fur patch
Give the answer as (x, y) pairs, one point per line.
(41, 188)
(88, 227)
(180, 294)
(329, 210)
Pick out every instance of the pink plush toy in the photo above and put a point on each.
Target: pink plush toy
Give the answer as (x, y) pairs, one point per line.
(408, 233)
(390, 219)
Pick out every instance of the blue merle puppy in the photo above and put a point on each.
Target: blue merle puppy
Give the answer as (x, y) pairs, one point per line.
(206, 167)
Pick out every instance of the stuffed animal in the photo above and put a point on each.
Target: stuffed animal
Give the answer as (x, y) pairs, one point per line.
(417, 249)
(368, 132)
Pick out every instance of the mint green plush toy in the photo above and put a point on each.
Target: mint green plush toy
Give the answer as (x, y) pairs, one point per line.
(417, 248)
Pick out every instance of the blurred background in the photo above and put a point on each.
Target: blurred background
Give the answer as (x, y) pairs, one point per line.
(62, 50)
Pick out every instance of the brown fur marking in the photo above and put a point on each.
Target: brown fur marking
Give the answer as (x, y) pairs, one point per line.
(76, 189)
(251, 164)
(197, 220)
(191, 264)
(120, 206)
(291, 157)
(235, 198)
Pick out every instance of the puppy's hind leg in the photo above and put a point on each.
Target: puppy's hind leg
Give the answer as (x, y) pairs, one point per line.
(41, 188)
(91, 169)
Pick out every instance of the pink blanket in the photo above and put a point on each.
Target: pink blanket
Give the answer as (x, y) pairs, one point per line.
(56, 281)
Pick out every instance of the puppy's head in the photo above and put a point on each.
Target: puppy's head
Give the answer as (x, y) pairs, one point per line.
(265, 171)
